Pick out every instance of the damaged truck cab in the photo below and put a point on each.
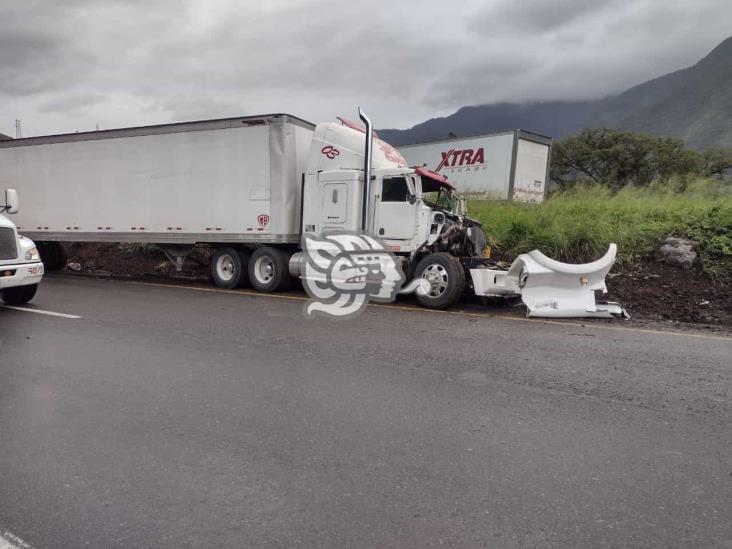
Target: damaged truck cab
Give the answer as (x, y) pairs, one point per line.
(415, 212)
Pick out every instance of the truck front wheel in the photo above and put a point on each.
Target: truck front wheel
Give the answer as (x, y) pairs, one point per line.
(19, 294)
(269, 270)
(446, 280)
(229, 268)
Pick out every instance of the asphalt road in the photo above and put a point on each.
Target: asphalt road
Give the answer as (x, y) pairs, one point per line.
(190, 417)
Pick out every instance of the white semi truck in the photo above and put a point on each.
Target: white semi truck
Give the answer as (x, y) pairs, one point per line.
(20, 264)
(252, 187)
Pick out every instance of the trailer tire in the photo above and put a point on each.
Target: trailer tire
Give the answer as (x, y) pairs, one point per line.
(446, 278)
(227, 268)
(19, 294)
(269, 270)
(53, 255)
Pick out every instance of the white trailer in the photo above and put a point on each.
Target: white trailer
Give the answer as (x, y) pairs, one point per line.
(254, 188)
(235, 180)
(20, 263)
(511, 165)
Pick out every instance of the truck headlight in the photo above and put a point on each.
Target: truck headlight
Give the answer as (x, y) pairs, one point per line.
(32, 255)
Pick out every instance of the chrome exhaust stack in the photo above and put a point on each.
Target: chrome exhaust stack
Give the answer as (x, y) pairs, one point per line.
(368, 150)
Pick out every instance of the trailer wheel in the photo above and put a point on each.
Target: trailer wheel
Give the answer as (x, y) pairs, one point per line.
(19, 294)
(446, 279)
(52, 254)
(227, 268)
(269, 270)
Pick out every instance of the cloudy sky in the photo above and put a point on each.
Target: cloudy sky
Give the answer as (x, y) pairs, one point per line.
(68, 65)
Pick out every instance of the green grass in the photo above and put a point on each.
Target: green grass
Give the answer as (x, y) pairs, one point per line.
(577, 225)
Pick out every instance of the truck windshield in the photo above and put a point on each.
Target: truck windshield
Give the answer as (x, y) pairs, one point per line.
(436, 191)
(441, 198)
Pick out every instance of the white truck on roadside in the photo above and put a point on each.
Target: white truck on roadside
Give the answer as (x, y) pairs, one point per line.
(253, 187)
(20, 264)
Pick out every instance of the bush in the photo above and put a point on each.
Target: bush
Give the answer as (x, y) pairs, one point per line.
(577, 226)
(617, 158)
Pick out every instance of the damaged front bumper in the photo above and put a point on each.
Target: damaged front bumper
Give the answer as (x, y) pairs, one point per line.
(552, 289)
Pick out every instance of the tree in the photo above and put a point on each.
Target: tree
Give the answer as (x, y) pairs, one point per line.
(618, 158)
(717, 162)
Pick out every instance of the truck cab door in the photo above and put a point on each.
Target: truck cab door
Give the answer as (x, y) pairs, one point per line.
(395, 216)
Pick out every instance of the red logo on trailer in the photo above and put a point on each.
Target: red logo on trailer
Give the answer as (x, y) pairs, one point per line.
(461, 158)
(262, 220)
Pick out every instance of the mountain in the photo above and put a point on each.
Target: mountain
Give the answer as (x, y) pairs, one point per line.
(694, 104)
(557, 119)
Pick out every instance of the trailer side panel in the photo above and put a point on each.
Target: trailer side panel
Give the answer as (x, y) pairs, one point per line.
(226, 184)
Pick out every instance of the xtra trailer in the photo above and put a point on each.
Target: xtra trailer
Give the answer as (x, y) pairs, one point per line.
(252, 187)
(511, 165)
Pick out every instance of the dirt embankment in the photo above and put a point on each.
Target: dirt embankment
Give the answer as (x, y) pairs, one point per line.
(649, 290)
(133, 260)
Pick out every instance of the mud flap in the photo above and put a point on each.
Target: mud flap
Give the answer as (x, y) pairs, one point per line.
(552, 289)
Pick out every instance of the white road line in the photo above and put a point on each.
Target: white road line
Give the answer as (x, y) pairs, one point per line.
(40, 312)
(10, 541)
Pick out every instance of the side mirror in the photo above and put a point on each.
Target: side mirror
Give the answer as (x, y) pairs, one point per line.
(11, 201)
(412, 198)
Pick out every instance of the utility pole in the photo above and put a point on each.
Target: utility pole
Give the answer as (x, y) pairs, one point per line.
(18, 129)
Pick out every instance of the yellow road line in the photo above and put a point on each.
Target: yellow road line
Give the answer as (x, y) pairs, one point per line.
(453, 313)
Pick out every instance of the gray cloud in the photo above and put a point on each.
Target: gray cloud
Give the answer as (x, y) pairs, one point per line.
(71, 102)
(34, 51)
(69, 65)
(535, 15)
